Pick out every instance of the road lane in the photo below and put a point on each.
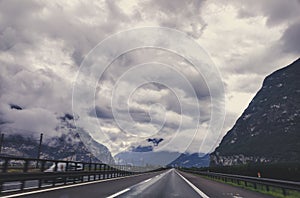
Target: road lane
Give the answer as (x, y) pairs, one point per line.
(100, 188)
(169, 184)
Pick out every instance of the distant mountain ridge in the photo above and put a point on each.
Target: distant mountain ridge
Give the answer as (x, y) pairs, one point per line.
(146, 155)
(268, 131)
(144, 158)
(187, 160)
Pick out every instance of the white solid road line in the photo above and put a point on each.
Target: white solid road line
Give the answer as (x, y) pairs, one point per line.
(147, 180)
(68, 186)
(202, 194)
(119, 193)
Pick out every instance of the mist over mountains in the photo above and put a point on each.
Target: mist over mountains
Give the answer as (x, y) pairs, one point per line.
(71, 144)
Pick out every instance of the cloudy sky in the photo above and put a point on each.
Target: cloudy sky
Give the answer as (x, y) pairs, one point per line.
(50, 48)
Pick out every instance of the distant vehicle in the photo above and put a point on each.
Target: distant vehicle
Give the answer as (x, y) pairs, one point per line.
(62, 167)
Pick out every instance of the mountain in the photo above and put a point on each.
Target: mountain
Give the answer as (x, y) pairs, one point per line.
(162, 158)
(73, 144)
(187, 160)
(145, 155)
(142, 149)
(268, 131)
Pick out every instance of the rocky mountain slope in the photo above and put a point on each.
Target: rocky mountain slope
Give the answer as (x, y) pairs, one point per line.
(73, 144)
(268, 131)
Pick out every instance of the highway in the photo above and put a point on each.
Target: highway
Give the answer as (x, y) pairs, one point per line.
(169, 183)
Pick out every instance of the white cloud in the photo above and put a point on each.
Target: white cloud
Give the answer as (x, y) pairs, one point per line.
(42, 45)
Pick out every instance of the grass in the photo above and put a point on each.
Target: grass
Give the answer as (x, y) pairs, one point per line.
(273, 191)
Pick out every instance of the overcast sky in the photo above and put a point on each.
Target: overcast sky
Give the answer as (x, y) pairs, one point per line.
(43, 44)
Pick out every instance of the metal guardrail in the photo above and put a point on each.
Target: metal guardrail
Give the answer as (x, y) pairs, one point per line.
(282, 184)
(24, 170)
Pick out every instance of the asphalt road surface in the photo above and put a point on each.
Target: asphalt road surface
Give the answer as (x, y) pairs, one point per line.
(170, 183)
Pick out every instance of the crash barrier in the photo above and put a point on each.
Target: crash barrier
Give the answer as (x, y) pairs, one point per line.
(26, 174)
(253, 181)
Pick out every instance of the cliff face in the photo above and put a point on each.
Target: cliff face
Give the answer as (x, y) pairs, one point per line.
(269, 129)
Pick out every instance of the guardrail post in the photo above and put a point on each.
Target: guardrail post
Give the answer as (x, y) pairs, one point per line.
(42, 166)
(75, 169)
(25, 168)
(22, 185)
(255, 186)
(40, 183)
(55, 167)
(99, 171)
(95, 171)
(106, 169)
(284, 192)
(109, 171)
(115, 171)
(1, 187)
(104, 172)
(67, 165)
(67, 169)
(5, 165)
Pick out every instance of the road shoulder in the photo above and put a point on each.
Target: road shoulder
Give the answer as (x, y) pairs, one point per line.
(218, 189)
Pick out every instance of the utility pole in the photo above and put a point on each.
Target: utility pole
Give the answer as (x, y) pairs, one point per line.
(39, 150)
(40, 146)
(1, 141)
